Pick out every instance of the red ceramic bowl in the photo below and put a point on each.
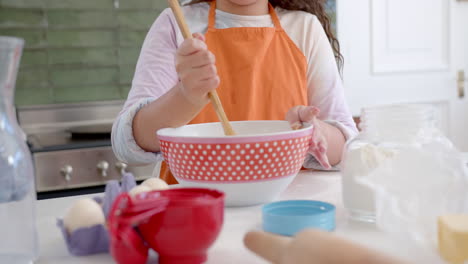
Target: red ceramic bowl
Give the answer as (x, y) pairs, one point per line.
(187, 228)
(252, 167)
(182, 226)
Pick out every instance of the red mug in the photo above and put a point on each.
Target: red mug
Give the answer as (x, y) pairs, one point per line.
(179, 224)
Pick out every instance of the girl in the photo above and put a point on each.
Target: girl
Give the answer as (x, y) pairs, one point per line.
(267, 59)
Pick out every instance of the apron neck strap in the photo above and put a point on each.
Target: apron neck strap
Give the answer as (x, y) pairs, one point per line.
(274, 17)
(212, 16)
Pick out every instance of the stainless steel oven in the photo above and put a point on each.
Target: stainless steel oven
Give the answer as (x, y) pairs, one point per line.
(71, 146)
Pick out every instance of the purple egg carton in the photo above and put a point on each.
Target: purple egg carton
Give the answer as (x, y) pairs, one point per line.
(95, 239)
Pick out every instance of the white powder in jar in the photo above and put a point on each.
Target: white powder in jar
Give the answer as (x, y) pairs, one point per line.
(360, 162)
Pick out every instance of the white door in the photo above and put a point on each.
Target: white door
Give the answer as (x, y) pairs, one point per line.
(407, 51)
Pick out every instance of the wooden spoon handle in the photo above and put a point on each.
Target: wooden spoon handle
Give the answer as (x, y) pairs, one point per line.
(175, 6)
(228, 130)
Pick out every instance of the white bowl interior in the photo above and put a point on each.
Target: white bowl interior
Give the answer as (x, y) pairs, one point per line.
(242, 128)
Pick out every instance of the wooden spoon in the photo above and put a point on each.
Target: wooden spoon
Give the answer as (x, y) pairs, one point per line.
(175, 6)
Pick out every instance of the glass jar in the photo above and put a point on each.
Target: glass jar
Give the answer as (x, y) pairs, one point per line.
(402, 131)
(18, 242)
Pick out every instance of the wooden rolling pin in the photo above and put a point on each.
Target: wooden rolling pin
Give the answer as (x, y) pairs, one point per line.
(175, 6)
(312, 246)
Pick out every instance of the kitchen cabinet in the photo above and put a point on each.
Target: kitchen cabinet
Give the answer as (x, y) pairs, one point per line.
(408, 51)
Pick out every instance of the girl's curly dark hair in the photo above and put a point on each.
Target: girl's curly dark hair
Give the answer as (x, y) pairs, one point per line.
(315, 7)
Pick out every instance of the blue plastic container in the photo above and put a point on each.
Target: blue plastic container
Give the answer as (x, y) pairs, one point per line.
(290, 217)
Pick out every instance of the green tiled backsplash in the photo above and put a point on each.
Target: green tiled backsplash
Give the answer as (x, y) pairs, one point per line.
(80, 50)
(77, 50)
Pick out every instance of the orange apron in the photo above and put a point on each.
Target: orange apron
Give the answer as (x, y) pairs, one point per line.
(262, 73)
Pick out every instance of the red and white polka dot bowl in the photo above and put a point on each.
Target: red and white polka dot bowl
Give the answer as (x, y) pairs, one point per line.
(253, 167)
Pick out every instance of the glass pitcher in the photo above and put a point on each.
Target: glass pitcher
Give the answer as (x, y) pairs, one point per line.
(18, 234)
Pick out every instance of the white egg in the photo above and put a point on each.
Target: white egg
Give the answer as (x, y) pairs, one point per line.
(139, 189)
(155, 184)
(83, 213)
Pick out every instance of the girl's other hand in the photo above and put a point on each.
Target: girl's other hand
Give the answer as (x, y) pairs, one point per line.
(196, 68)
(318, 145)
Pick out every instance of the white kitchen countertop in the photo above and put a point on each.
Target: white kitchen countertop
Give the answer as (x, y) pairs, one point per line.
(229, 248)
